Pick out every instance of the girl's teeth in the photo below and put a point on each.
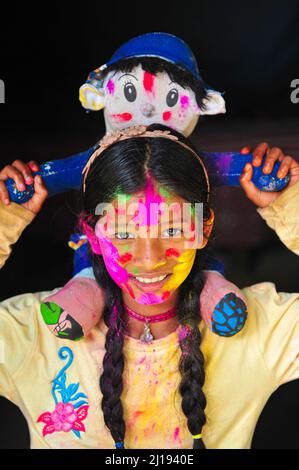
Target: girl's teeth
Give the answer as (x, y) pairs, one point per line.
(150, 281)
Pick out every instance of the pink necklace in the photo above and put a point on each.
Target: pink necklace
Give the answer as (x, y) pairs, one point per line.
(147, 336)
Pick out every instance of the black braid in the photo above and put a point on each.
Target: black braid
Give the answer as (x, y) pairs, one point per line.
(191, 363)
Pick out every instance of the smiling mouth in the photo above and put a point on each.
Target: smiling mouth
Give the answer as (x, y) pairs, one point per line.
(153, 283)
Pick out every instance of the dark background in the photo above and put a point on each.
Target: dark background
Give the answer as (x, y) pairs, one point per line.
(250, 50)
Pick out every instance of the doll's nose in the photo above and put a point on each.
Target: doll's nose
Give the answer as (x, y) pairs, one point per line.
(147, 109)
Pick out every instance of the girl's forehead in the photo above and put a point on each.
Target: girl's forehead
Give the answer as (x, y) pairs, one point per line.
(152, 192)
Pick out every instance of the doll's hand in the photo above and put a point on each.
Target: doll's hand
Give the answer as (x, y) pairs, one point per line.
(21, 173)
(288, 164)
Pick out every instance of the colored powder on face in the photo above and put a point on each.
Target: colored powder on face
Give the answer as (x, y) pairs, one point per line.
(151, 197)
(148, 82)
(110, 86)
(165, 295)
(166, 115)
(123, 117)
(185, 101)
(111, 257)
(180, 270)
(123, 259)
(159, 264)
(172, 252)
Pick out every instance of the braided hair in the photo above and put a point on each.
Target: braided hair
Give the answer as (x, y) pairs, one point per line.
(123, 166)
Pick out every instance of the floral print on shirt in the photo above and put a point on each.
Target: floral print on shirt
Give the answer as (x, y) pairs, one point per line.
(71, 409)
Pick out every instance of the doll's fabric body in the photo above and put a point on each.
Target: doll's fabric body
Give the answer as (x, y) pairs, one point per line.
(136, 96)
(55, 382)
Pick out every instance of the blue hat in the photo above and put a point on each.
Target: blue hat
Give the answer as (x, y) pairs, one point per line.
(162, 45)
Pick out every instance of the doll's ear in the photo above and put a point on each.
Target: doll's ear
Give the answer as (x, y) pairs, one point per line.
(91, 98)
(213, 104)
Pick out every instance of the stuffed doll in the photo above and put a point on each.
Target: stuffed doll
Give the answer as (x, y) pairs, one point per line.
(153, 78)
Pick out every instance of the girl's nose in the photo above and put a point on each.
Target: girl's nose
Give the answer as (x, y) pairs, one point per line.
(147, 109)
(149, 253)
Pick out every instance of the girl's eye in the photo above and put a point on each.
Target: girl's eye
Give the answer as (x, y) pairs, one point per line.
(172, 97)
(172, 232)
(123, 235)
(130, 92)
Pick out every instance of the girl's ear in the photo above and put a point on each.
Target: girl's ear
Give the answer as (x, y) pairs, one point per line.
(207, 228)
(91, 98)
(92, 239)
(214, 104)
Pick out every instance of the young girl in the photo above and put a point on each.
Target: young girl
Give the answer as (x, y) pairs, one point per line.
(150, 374)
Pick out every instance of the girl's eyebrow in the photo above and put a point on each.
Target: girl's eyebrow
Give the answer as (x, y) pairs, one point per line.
(125, 74)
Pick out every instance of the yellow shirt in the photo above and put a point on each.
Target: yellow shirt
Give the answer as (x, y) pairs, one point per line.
(241, 371)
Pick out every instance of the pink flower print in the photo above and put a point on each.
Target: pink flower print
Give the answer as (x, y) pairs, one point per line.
(63, 418)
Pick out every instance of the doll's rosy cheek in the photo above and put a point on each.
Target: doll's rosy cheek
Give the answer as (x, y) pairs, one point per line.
(110, 87)
(185, 102)
(166, 116)
(123, 117)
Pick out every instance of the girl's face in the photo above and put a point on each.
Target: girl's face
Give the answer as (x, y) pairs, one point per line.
(148, 255)
(140, 98)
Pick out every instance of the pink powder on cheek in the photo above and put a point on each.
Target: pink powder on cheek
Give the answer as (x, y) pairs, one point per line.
(123, 117)
(111, 86)
(111, 258)
(185, 102)
(166, 115)
(148, 82)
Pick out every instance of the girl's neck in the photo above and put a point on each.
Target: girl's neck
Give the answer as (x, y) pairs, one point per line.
(160, 329)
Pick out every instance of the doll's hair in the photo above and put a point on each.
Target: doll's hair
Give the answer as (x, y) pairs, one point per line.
(123, 167)
(155, 65)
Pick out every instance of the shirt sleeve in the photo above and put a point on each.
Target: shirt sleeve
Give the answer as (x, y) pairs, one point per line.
(18, 334)
(283, 217)
(13, 220)
(276, 317)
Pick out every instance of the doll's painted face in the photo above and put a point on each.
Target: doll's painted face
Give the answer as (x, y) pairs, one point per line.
(140, 98)
(146, 251)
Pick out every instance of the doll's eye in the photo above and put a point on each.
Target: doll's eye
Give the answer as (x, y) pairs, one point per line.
(172, 97)
(130, 92)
